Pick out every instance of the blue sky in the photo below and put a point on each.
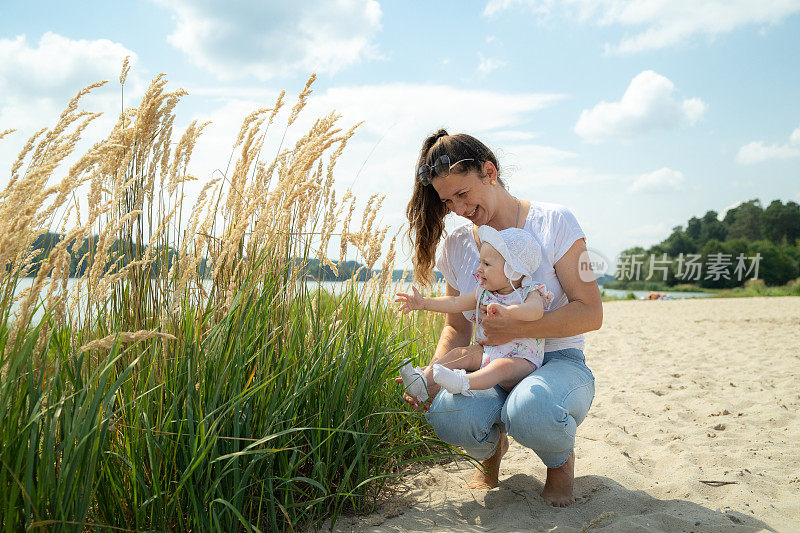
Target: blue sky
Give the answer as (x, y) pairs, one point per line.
(635, 114)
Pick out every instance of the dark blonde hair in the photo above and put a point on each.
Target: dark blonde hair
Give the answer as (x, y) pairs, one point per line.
(425, 210)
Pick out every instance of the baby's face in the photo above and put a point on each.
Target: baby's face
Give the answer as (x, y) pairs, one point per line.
(490, 269)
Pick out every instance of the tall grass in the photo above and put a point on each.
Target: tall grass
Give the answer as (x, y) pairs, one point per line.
(146, 399)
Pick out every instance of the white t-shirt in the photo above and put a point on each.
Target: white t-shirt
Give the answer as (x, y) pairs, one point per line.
(553, 226)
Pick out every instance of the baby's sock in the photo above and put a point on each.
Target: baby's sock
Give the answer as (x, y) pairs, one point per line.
(414, 382)
(455, 381)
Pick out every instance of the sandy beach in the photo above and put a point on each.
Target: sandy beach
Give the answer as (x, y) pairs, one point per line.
(694, 427)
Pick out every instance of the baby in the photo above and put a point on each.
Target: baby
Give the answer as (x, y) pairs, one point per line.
(508, 259)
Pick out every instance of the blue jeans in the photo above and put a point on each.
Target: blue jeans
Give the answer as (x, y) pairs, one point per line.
(542, 412)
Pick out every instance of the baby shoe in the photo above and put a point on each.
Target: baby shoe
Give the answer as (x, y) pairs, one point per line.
(454, 381)
(414, 381)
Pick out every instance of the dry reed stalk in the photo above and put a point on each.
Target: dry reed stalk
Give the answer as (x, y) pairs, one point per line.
(125, 337)
(183, 152)
(97, 282)
(23, 198)
(249, 120)
(123, 75)
(125, 172)
(328, 225)
(190, 251)
(345, 235)
(60, 271)
(387, 269)
(23, 154)
(301, 99)
(277, 107)
(68, 116)
(72, 181)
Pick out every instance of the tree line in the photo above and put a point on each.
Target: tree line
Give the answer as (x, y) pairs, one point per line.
(314, 269)
(746, 231)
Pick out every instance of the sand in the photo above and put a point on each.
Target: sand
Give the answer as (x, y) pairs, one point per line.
(688, 391)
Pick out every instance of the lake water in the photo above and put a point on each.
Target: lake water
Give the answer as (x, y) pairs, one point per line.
(336, 287)
(622, 293)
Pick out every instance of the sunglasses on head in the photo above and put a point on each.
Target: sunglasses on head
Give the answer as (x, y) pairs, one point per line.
(441, 168)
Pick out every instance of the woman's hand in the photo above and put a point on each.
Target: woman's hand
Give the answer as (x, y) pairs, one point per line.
(500, 329)
(421, 407)
(410, 302)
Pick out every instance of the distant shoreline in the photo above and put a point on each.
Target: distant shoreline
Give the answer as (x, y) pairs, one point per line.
(751, 288)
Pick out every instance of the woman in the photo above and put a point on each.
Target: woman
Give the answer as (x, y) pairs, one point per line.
(458, 173)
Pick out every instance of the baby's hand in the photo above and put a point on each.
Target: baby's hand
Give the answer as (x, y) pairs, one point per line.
(495, 310)
(410, 302)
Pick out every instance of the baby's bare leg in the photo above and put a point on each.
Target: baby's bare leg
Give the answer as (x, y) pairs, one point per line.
(506, 372)
(467, 357)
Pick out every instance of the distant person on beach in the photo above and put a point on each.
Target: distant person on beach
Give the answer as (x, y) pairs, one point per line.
(508, 259)
(458, 173)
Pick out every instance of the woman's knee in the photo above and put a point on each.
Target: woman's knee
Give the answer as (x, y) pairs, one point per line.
(541, 420)
(535, 419)
(466, 421)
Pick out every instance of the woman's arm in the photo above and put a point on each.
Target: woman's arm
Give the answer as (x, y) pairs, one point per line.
(457, 330)
(583, 313)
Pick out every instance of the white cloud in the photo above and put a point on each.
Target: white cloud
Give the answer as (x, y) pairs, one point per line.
(38, 79)
(397, 117)
(528, 168)
(57, 66)
(274, 39)
(757, 151)
(647, 105)
(657, 24)
(537, 155)
(494, 7)
(794, 138)
(416, 108)
(488, 64)
(661, 180)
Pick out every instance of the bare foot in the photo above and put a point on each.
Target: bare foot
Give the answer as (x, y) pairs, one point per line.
(558, 487)
(489, 478)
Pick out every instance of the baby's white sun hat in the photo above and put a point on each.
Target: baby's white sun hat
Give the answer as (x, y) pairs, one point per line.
(522, 253)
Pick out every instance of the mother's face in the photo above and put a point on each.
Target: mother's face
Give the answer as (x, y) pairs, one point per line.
(469, 196)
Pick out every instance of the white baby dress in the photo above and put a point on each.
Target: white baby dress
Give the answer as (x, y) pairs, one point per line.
(527, 348)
